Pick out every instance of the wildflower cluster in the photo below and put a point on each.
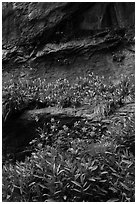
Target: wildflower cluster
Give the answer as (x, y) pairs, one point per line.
(91, 90)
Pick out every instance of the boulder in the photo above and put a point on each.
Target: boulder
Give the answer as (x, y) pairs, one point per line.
(36, 23)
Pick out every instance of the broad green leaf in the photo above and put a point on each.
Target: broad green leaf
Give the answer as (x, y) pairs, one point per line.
(48, 162)
(92, 179)
(57, 192)
(40, 177)
(39, 167)
(41, 185)
(85, 184)
(126, 162)
(104, 191)
(113, 189)
(76, 176)
(54, 167)
(78, 191)
(125, 186)
(89, 194)
(112, 169)
(85, 189)
(110, 153)
(82, 178)
(61, 171)
(93, 168)
(76, 183)
(113, 200)
(50, 200)
(18, 172)
(116, 175)
(58, 168)
(67, 169)
(31, 184)
(102, 181)
(104, 172)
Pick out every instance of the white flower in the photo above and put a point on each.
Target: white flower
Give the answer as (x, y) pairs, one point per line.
(84, 129)
(65, 127)
(40, 145)
(52, 120)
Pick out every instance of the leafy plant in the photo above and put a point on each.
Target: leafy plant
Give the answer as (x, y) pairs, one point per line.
(83, 160)
(48, 174)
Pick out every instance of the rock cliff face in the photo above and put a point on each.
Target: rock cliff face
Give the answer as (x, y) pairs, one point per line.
(35, 23)
(62, 40)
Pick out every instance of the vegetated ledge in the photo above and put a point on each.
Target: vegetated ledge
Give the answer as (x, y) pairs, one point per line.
(85, 112)
(81, 112)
